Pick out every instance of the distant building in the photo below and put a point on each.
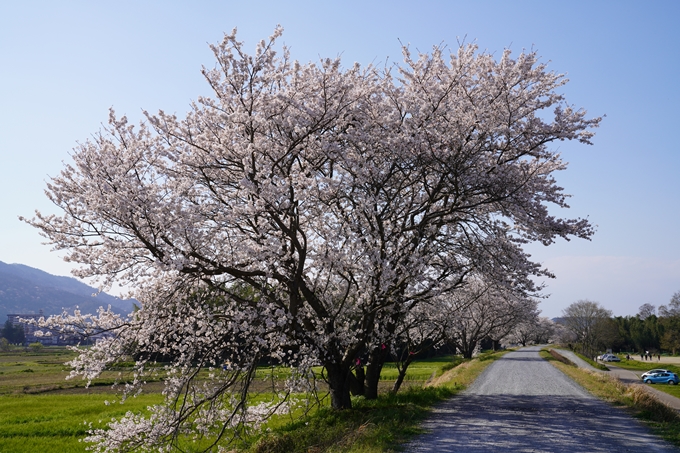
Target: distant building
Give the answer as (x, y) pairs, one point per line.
(30, 329)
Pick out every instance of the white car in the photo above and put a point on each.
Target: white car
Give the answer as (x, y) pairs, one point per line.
(654, 371)
(609, 358)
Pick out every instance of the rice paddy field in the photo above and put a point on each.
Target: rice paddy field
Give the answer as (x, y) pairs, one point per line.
(41, 411)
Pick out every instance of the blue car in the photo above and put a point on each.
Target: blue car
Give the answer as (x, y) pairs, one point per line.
(661, 378)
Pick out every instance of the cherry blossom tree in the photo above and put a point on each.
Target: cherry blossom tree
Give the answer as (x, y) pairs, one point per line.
(538, 330)
(422, 329)
(343, 198)
(486, 310)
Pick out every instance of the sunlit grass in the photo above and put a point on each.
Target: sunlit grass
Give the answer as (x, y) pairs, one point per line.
(38, 372)
(56, 423)
(374, 426)
(592, 363)
(420, 370)
(635, 365)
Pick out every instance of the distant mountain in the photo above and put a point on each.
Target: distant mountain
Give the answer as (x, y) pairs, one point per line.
(25, 290)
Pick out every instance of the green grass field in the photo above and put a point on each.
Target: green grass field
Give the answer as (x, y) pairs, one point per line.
(40, 411)
(420, 370)
(44, 371)
(55, 423)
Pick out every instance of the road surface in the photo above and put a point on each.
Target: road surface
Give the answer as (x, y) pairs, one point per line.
(521, 403)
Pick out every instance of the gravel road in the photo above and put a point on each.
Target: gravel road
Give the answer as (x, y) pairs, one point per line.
(521, 403)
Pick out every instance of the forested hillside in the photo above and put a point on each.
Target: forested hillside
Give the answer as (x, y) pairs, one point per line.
(24, 289)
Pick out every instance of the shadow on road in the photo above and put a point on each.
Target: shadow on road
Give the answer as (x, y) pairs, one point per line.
(520, 423)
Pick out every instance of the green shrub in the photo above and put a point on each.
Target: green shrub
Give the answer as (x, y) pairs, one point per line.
(35, 347)
(457, 360)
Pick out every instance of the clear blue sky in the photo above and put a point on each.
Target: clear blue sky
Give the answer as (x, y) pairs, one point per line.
(63, 64)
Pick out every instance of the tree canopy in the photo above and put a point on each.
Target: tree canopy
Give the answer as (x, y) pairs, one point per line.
(590, 324)
(301, 213)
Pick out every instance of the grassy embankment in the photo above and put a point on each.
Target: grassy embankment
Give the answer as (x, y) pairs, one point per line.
(663, 420)
(591, 362)
(40, 411)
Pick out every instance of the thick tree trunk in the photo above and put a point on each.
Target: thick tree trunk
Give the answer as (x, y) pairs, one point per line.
(357, 381)
(372, 379)
(376, 360)
(339, 385)
(468, 348)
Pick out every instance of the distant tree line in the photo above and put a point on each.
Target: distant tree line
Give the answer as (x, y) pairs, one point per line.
(649, 331)
(591, 328)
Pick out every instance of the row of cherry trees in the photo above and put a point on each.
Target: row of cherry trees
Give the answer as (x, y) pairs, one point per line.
(313, 214)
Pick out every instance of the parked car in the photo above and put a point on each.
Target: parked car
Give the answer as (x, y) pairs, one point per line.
(654, 371)
(609, 358)
(661, 378)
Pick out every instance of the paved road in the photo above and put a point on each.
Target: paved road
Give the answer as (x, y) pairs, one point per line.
(521, 403)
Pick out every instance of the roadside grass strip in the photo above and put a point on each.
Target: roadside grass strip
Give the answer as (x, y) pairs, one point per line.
(591, 362)
(662, 420)
(372, 426)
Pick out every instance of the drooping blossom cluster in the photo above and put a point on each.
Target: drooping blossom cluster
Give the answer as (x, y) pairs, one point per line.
(303, 213)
